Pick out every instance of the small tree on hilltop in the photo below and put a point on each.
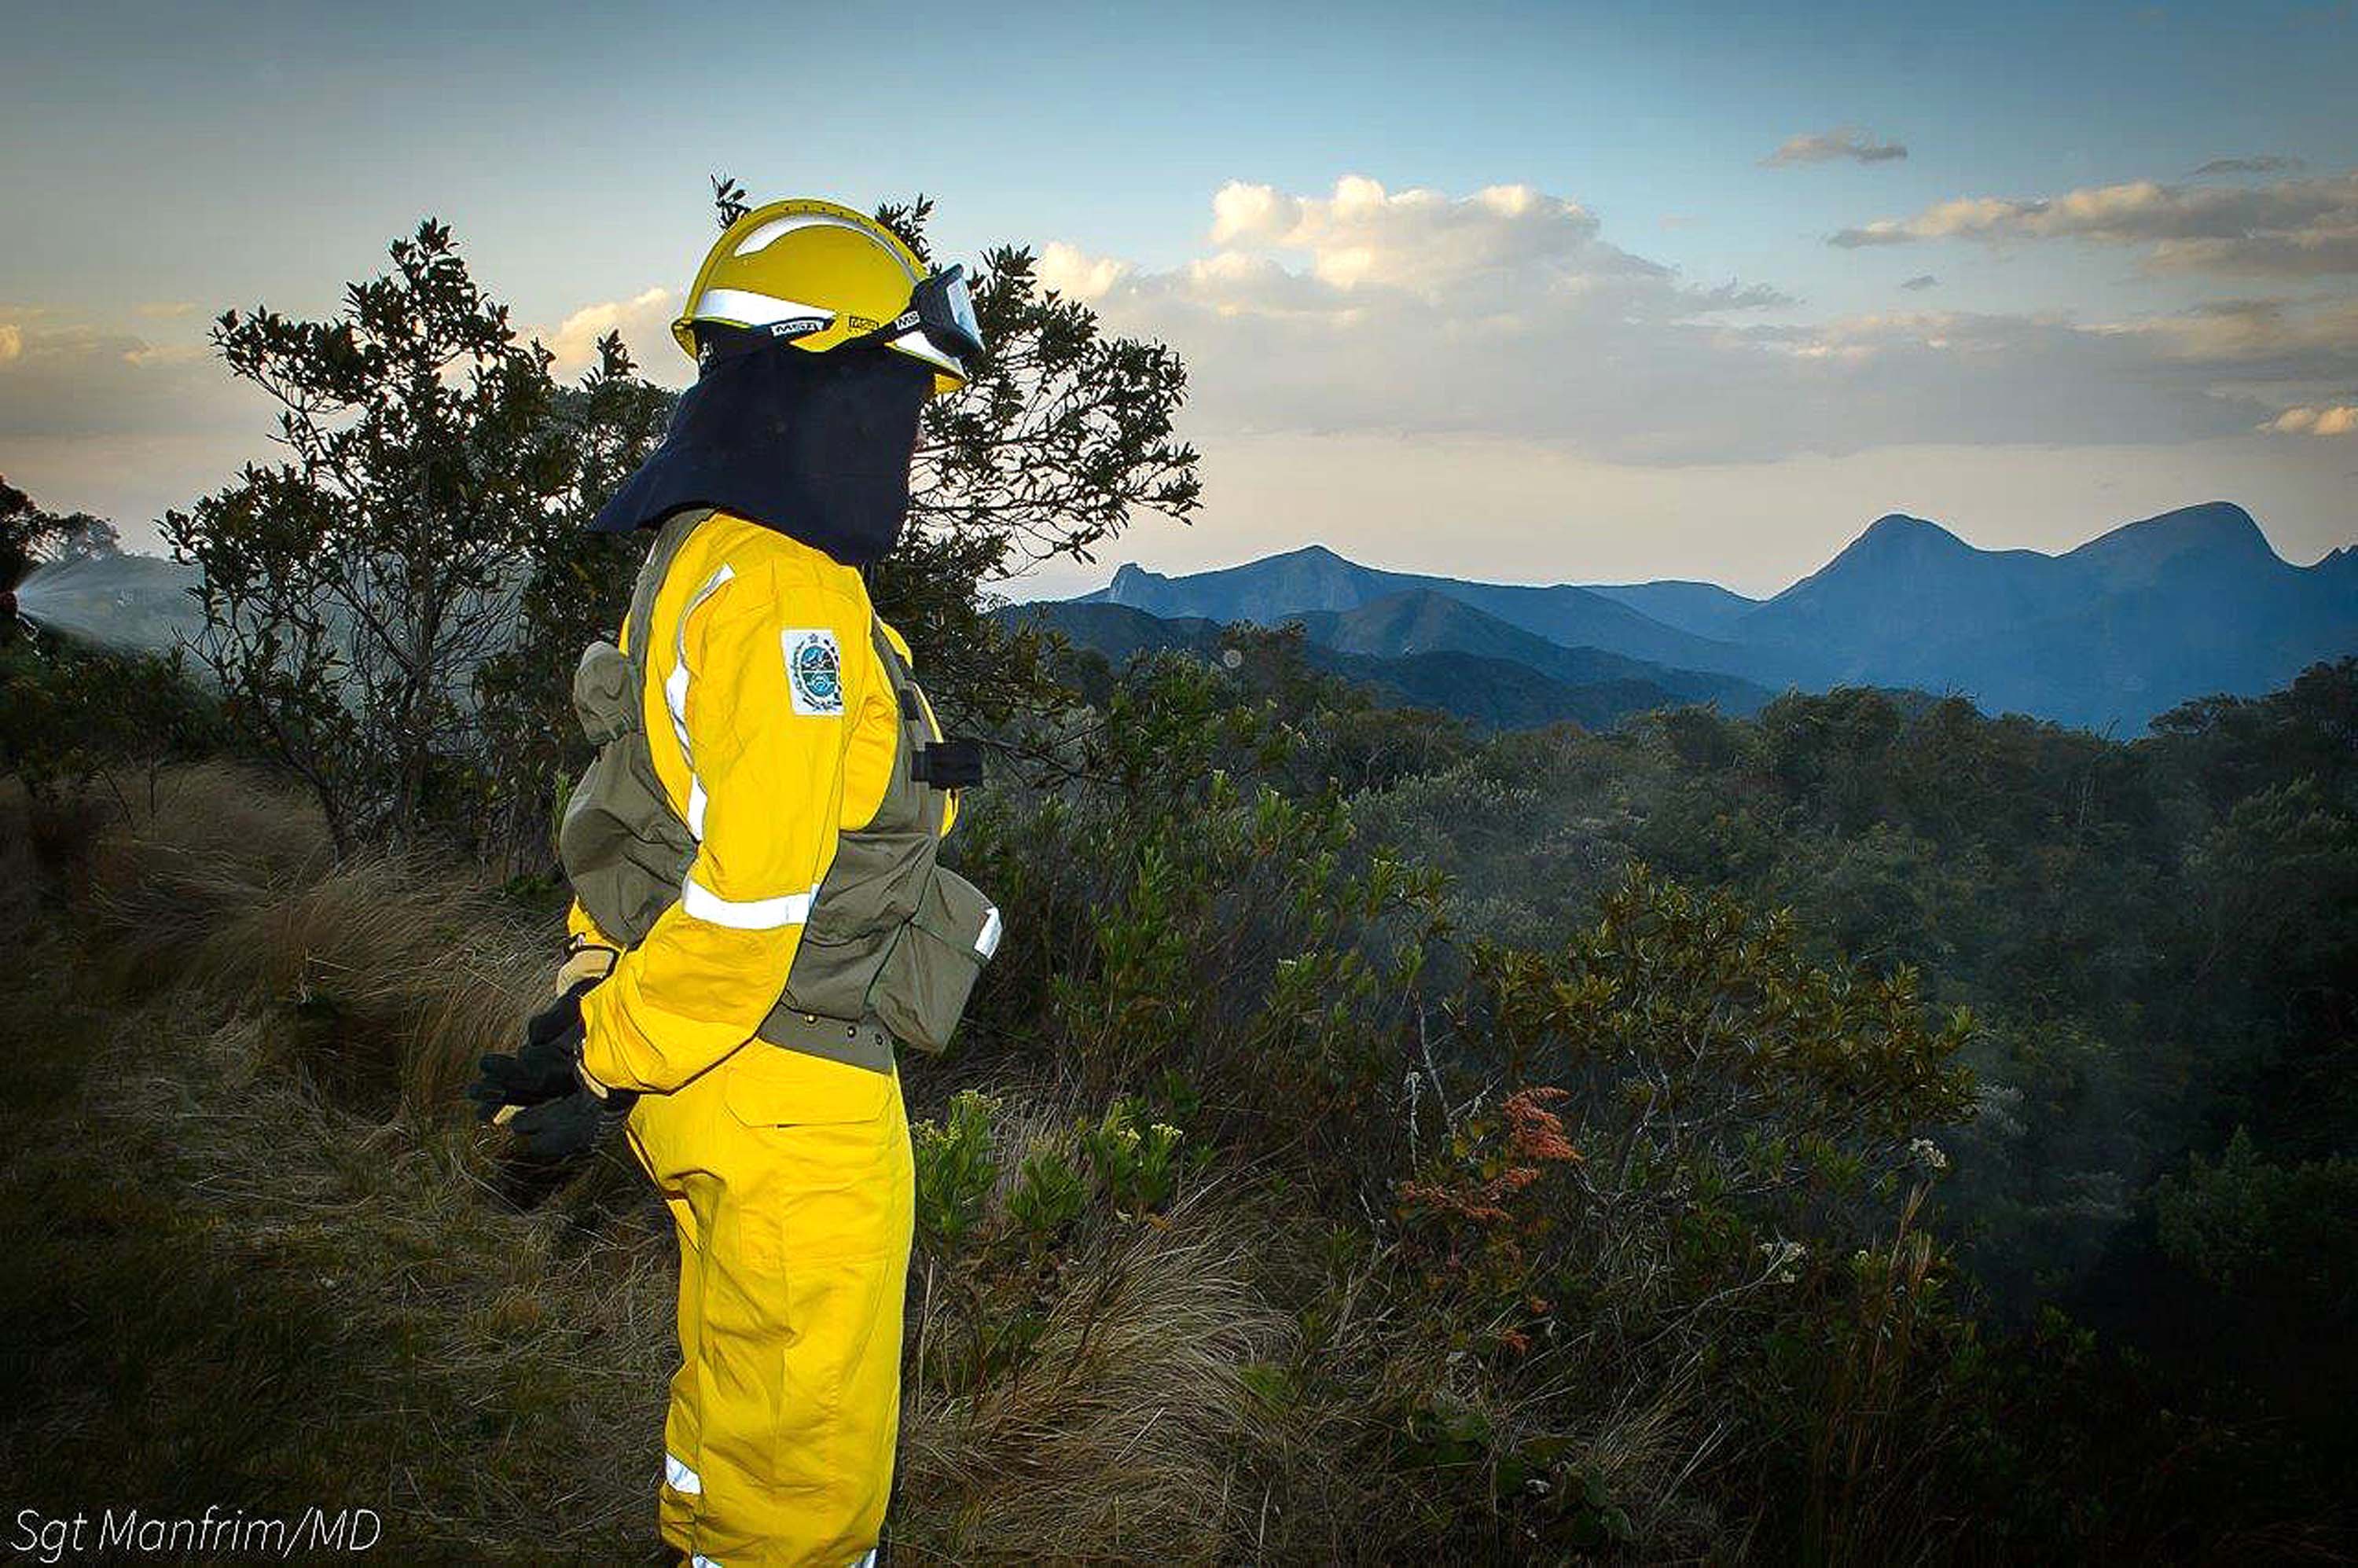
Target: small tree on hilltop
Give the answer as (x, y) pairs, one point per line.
(393, 612)
(30, 535)
(352, 592)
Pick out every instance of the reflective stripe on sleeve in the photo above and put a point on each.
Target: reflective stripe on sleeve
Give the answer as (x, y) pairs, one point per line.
(676, 687)
(682, 1479)
(749, 914)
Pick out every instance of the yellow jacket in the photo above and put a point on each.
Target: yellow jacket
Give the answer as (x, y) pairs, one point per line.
(767, 761)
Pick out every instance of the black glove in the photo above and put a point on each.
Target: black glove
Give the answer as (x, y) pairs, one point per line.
(546, 1068)
(569, 1126)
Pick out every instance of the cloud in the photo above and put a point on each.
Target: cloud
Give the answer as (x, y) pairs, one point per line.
(2283, 339)
(2267, 163)
(2335, 420)
(1078, 276)
(1921, 282)
(1830, 147)
(59, 378)
(1510, 313)
(166, 310)
(95, 419)
(2290, 228)
(1417, 239)
(644, 319)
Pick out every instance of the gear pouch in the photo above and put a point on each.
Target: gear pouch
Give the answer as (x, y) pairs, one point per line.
(623, 850)
(922, 990)
(605, 692)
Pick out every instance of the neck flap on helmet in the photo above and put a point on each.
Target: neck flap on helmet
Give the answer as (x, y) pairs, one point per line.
(814, 446)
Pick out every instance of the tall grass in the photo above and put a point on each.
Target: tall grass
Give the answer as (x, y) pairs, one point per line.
(261, 1260)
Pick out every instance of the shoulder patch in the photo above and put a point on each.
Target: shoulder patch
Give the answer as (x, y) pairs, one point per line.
(813, 670)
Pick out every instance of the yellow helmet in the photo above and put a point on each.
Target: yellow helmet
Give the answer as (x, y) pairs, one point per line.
(822, 276)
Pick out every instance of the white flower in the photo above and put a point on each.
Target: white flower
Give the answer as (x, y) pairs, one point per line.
(1928, 1154)
(1784, 1259)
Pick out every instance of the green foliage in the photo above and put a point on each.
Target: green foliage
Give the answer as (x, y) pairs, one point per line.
(1048, 1195)
(2274, 888)
(575, 587)
(994, 1256)
(2287, 1232)
(31, 535)
(1134, 1159)
(956, 1172)
(1176, 921)
(353, 593)
(71, 716)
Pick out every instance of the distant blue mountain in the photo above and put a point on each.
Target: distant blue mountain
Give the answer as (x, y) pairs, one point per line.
(2186, 604)
(1459, 661)
(1314, 578)
(1704, 608)
(1420, 620)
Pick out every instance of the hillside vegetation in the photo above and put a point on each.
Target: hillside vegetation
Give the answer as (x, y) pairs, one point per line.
(1853, 1135)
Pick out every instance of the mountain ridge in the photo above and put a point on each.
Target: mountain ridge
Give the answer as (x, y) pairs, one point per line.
(1481, 687)
(2184, 603)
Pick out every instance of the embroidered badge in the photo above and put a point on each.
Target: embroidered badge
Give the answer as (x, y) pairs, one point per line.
(814, 671)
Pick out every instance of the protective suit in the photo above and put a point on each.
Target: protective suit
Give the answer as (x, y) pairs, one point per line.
(787, 1173)
(757, 896)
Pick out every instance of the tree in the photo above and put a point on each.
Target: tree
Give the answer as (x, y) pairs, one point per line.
(576, 586)
(352, 592)
(1061, 436)
(31, 535)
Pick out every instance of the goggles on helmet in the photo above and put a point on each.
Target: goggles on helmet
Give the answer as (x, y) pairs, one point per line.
(941, 307)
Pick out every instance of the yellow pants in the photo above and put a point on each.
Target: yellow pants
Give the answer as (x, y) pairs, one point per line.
(793, 1187)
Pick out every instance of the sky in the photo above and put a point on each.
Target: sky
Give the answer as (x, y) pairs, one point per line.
(1531, 293)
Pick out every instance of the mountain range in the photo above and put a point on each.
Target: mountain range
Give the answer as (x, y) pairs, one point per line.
(2127, 626)
(2186, 604)
(1419, 649)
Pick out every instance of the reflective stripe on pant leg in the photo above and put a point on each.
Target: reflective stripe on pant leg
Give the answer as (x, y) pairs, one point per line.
(657, 1125)
(681, 1499)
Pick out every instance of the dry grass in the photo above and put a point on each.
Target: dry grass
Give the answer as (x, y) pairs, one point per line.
(1129, 1434)
(318, 1286)
(399, 974)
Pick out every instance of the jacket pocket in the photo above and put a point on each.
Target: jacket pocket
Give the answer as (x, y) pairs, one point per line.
(922, 990)
(769, 1086)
